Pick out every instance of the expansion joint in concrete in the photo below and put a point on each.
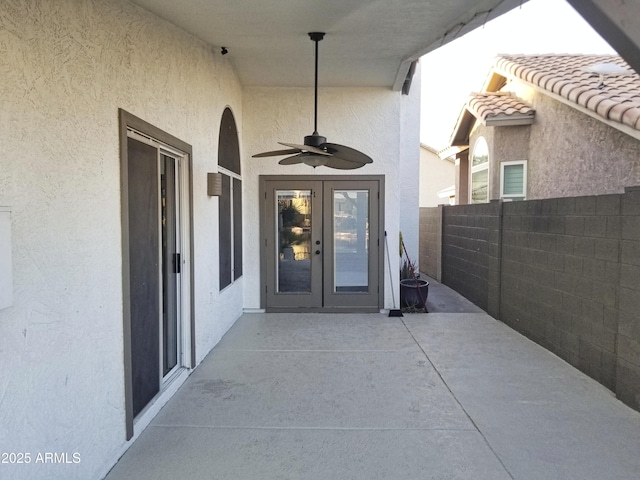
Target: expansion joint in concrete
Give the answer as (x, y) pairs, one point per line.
(453, 395)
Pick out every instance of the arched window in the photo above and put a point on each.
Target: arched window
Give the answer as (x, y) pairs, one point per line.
(480, 172)
(230, 206)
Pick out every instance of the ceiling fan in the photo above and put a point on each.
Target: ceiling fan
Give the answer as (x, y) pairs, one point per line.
(316, 151)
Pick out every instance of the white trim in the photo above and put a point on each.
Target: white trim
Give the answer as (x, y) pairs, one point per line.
(182, 243)
(523, 195)
(185, 259)
(229, 173)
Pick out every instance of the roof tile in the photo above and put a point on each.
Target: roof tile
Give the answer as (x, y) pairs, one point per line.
(631, 116)
(567, 88)
(614, 97)
(618, 110)
(605, 106)
(546, 81)
(498, 106)
(574, 93)
(558, 84)
(587, 95)
(594, 101)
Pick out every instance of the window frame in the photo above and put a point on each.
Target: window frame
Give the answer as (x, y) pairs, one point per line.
(236, 263)
(474, 169)
(510, 196)
(229, 160)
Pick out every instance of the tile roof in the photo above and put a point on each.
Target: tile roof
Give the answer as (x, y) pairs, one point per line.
(612, 97)
(500, 109)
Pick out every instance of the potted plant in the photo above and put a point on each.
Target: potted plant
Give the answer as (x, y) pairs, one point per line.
(413, 291)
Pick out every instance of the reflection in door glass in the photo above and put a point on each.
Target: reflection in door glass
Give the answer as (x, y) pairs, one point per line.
(294, 241)
(351, 240)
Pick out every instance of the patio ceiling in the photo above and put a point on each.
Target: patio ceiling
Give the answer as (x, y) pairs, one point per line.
(368, 43)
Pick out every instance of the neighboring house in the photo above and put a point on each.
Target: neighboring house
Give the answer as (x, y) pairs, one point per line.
(437, 177)
(549, 126)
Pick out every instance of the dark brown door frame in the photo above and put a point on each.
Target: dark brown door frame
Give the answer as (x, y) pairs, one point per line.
(263, 179)
(126, 121)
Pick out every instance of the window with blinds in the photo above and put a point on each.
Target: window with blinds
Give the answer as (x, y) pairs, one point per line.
(513, 180)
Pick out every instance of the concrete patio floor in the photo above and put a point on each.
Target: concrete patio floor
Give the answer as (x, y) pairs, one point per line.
(366, 396)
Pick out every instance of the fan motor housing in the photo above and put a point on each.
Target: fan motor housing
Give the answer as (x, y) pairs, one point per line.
(314, 140)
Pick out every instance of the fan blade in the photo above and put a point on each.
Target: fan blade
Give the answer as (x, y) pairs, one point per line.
(305, 148)
(342, 164)
(293, 160)
(347, 153)
(311, 159)
(276, 153)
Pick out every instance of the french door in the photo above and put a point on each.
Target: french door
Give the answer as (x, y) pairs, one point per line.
(321, 244)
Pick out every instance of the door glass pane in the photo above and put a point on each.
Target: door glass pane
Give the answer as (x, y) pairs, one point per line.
(170, 264)
(351, 240)
(294, 241)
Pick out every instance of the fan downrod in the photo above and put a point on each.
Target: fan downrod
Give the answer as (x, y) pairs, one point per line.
(315, 139)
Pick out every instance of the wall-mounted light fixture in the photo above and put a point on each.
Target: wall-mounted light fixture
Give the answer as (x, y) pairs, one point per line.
(214, 184)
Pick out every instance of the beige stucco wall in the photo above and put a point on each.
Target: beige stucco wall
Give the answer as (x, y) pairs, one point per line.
(435, 175)
(572, 154)
(509, 144)
(66, 68)
(406, 190)
(462, 177)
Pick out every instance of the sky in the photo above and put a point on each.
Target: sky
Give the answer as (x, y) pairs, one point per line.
(453, 71)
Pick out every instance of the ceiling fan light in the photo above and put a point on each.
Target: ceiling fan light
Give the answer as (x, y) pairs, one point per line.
(315, 160)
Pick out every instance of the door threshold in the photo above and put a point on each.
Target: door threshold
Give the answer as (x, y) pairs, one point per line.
(325, 310)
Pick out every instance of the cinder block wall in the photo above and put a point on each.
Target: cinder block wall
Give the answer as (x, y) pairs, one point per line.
(560, 275)
(431, 241)
(471, 252)
(564, 272)
(628, 371)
